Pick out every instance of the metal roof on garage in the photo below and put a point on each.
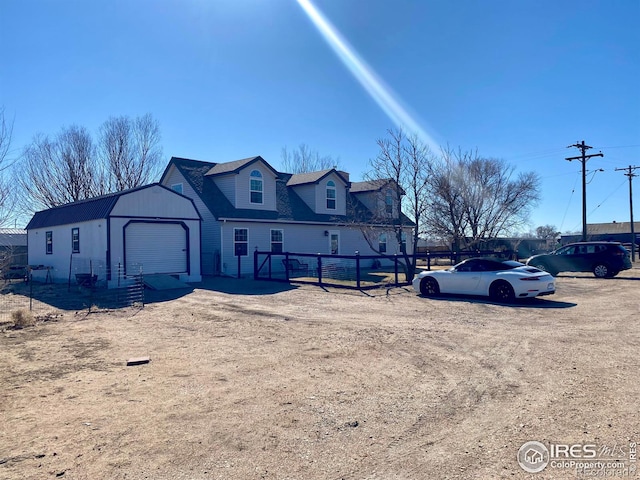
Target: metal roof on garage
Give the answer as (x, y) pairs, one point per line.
(80, 211)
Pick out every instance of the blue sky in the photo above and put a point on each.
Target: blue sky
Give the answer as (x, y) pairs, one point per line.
(228, 79)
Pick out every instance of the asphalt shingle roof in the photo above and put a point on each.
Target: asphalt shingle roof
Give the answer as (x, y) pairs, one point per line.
(312, 177)
(368, 186)
(289, 205)
(236, 166)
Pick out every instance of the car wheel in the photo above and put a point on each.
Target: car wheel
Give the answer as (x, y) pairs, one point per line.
(429, 287)
(602, 271)
(544, 268)
(502, 291)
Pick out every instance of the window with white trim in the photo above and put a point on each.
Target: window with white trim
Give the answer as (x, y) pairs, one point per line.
(256, 187)
(382, 243)
(240, 242)
(277, 241)
(388, 203)
(75, 240)
(403, 243)
(331, 195)
(49, 242)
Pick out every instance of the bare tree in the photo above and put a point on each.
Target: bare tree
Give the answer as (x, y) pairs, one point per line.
(304, 160)
(474, 198)
(130, 151)
(69, 167)
(401, 171)
(60, 170)
(445, 217)
(547, 232)
(7, 199)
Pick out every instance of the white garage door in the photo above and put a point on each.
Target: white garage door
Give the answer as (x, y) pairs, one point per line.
(158, 247)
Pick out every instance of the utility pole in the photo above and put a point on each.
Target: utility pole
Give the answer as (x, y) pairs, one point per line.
(630, 174)
(583, 158)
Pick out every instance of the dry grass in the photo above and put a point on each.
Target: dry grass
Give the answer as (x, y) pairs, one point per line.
(22, 318)
(256, 380)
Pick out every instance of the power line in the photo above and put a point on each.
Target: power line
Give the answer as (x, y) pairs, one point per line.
(630, 169)
(573, 190)
(583, 159)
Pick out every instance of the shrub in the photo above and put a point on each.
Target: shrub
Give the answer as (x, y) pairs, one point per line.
(22, 318)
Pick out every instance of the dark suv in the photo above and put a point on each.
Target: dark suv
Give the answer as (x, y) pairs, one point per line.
(604, 259)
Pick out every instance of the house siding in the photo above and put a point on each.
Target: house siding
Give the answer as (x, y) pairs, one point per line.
(210, 228)
(298, 238)
(321, 196)
(243, 191)
(144, 203)
(227, 185)
(308, 194)
(369, 200)
(62, 262)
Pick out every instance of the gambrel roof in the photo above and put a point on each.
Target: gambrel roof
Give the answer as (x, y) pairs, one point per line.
(83, 210)
(80, 211)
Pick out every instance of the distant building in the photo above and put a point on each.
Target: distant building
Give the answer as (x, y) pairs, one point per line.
(606, 232)
(13, 247)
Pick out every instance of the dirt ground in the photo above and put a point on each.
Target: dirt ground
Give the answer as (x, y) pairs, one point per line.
(254, 380)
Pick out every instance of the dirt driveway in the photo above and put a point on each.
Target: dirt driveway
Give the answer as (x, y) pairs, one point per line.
(281, 382)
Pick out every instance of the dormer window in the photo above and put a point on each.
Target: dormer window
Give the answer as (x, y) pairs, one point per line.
(388, 203)
(256, 187)
(331, 195)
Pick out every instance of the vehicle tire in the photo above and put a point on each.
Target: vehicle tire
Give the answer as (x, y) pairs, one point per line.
(602, 270)
(429, 287)
(502, 291)
(545, 268)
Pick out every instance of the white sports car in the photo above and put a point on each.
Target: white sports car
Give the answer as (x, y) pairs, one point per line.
(500, 280)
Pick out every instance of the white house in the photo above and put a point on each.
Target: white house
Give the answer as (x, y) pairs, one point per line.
(247, 205)
(152, 229)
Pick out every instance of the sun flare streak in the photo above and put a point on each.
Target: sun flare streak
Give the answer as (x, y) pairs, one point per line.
(376, 88)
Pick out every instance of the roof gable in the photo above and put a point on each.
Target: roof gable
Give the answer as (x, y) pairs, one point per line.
(237, 165)
(373, 186)
(313, 177)
(368, 186)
